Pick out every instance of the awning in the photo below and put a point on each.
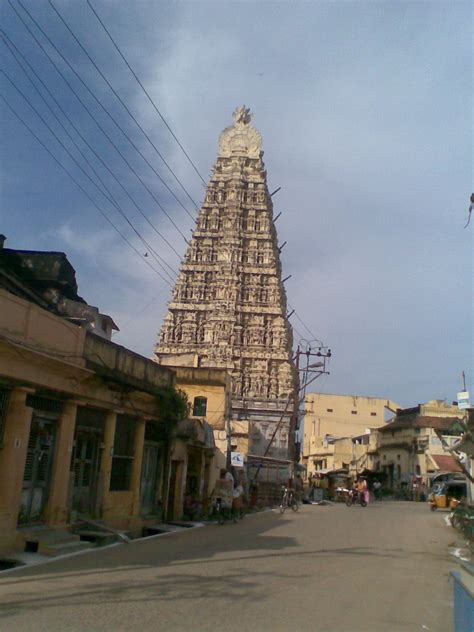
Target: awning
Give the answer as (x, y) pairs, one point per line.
(445, 463)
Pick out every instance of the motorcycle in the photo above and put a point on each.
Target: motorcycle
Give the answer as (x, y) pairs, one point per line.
(354, 497)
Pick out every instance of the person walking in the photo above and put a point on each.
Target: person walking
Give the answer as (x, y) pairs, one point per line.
(377, 487)
(238, 500)
(299, 488)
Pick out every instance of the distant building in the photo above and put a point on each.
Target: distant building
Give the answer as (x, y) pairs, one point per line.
(412, 443)
(466, 447)
(337, 430)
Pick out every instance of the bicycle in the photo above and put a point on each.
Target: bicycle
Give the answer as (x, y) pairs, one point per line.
(222, 512)
(289, 499)
(462, 519)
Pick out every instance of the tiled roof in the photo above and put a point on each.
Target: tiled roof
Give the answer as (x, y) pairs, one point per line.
(446, 462)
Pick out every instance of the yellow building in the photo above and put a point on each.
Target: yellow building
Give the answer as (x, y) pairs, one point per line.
(337, 430)
(89, 430)
(195, 470)
(353, 454)
(79, 415)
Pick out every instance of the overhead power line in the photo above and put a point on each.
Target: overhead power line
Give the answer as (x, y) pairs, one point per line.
(101, 211)
(87, 109)
(102, 75)
(145, 243)
(313, 337)
(8, 42)
(97, 100)
(155, 107)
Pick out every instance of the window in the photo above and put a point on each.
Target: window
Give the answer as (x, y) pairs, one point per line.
(373, 414)
(122, 459)
(398, 457)
(199, 406)
(330, 410)
(353, 412)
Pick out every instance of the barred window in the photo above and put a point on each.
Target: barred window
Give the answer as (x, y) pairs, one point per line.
(199, 406)
(122, 459)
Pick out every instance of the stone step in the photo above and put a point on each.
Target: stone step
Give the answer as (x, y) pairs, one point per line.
(162, 527)
(99, 538)
(45, 534)
(63, 548)
(40, 538)
(97, 526)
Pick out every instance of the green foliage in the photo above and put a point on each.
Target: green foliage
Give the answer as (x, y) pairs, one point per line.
(173, 405)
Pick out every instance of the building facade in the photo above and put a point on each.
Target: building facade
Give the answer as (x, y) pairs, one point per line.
(338, 429)
(228, 308)
(201, 443)
(417, 441)
(89, 430)
(78, 413)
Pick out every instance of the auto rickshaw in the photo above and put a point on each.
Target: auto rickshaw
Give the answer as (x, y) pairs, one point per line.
(447, 495)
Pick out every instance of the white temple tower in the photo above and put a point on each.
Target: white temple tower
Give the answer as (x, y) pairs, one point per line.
(228, 308)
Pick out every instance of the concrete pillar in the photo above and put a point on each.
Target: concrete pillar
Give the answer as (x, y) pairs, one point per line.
(135, 477)
(57, 510)
(201, 481)
(181, 488)
(12, 464)
(108, 452)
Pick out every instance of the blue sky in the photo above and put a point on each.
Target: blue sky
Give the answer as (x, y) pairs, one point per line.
(365, 111)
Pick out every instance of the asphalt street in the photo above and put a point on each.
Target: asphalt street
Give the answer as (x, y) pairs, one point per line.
(326, 568)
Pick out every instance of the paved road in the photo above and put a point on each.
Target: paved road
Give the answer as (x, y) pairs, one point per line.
(328, 569)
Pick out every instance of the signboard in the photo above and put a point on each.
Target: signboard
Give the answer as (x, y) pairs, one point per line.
(463, 400)
(237, 459)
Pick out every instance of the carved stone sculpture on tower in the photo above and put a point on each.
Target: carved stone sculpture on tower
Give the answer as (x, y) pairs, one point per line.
(229, 305)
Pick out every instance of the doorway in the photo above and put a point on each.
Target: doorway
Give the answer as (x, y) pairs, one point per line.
(37, 474)
(149, 477)
(85, 468)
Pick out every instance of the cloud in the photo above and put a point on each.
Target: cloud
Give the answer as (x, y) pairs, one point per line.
(364, 112)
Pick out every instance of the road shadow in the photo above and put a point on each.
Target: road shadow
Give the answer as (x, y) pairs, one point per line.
(237, 585)
(251, 534)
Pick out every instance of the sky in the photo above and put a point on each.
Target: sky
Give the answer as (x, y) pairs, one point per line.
(365, 109)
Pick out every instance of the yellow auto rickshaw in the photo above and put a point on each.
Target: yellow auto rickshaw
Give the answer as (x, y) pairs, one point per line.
(447, 495)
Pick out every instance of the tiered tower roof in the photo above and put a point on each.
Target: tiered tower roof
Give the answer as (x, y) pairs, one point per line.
(229, 304)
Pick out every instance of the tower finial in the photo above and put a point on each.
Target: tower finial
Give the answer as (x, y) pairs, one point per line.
(241, 138)
(242, 115)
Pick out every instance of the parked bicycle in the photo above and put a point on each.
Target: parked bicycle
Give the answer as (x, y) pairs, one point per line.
(223, 512)
(289, 499)
(462, 519)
